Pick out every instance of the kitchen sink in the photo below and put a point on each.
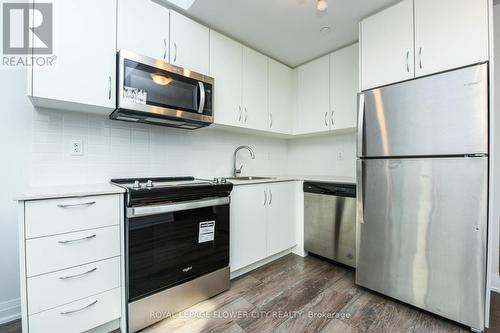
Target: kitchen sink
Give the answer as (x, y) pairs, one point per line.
(249, 178)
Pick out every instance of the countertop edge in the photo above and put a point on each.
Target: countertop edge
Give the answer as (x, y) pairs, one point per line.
(67, 191)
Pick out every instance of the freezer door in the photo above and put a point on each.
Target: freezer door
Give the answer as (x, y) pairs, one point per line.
(421, 233)
(443, 114)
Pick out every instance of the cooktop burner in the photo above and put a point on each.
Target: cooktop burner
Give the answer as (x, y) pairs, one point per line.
(141, 191)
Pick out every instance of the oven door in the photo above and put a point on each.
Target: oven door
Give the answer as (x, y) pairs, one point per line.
(173, 243)
(153, 89)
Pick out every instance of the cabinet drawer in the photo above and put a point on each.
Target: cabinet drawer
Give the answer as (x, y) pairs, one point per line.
(57, 216)
(50, 290)
(48, 254)
(78, 316)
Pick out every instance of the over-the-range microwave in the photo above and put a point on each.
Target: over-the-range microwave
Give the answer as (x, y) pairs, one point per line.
(155, 92)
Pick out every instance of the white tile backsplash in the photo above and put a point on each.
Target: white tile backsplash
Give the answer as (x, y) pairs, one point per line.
(120, 149)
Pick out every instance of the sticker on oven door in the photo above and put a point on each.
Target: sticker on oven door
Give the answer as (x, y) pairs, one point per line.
(135, 95)
(207, 232)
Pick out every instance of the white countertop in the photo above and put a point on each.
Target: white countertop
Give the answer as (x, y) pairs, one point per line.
(286, 178)
(52, 192)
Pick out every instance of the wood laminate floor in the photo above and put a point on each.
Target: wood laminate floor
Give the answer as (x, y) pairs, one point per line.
(295, 294)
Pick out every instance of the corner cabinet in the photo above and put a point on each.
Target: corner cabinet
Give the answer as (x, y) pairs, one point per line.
(143, 28)
(280, 98)
(82, 77)
(189, 43)
(421, 37)
(262, 223)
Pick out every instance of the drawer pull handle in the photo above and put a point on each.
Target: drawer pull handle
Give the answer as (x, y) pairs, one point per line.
(90, 203)
(80, 309)
(77, 240)
(78, 275)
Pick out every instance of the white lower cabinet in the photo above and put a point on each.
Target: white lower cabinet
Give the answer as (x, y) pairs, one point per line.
(71, 281)
(262, 223)
(79, 316)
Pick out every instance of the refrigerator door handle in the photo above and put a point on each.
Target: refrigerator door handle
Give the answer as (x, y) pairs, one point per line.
(360, 195)
(361, 122)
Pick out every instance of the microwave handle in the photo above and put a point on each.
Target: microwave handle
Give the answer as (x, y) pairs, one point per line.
(202, 97)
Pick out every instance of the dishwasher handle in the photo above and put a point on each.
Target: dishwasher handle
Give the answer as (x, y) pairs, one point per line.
(337, 189)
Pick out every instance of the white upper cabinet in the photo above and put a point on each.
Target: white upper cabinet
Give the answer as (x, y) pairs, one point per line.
(344, 87)
(280, 97)
(255, 90)
(189, 43)
(226, 58)
(83, 75)
(143, 28)
(450, 34)
(313, 97)
(387, 50)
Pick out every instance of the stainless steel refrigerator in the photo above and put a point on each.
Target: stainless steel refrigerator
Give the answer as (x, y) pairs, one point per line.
(423, 192)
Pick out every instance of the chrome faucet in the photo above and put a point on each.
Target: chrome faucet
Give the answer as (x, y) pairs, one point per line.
(237, 171)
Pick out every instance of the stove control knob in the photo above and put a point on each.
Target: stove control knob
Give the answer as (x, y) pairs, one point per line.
(223, 180)
(136, 184)
(216, 180)
(149, 183)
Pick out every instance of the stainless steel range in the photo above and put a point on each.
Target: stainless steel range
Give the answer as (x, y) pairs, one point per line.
(177, 244)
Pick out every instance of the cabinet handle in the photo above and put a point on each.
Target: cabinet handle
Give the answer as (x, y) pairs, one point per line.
(420, 57)
(239, 118)
(109, 91)
(265, 197)
(326, 118)
(270, 120)
(175, 51)
(270, 197)
(80, 309)
(77, 239)
(77, 275)
(90, 203)
(164, 48)
(407, 61)
(246, 114)
(331, 118)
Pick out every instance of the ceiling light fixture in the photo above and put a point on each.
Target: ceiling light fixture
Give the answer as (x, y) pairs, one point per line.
(322, 5)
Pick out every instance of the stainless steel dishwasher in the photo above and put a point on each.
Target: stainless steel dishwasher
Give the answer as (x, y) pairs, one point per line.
(330, 221)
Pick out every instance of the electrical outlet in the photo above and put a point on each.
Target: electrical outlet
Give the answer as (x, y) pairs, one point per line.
(77, 147)
(340, 154)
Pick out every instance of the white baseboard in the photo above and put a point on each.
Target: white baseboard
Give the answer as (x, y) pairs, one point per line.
(495, 283)
(10, 310)
(253, 266)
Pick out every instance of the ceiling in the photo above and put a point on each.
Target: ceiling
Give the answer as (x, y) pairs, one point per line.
(287, 30)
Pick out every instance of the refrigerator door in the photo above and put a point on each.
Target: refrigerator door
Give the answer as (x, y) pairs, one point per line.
(422, 233)
(444, 114)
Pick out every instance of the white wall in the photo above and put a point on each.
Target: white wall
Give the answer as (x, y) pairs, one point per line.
(318, 155)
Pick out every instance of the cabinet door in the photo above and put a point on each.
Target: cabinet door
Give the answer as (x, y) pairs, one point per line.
(387, 46)
(280, 97)
(281, 218)
(248, 225)
(313, 96)
(255, 71)
(143, 28)
(450, 34)
(226, 58)
(344, 87)
(189, 43)
(84, 71)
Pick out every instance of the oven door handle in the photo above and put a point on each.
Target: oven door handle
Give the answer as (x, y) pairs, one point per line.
(175, 207)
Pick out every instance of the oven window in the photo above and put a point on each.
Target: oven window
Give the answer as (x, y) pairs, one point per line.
(168, 249)
(148, 85)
